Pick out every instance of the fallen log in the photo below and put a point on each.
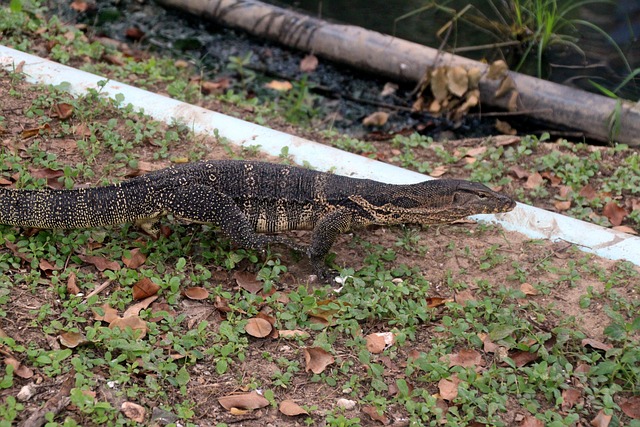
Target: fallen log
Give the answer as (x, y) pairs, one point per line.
(598, 117)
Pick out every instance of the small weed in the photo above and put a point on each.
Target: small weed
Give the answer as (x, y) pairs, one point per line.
(239, 65)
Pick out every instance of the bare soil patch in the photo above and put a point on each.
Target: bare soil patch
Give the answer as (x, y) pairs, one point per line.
(462, 262)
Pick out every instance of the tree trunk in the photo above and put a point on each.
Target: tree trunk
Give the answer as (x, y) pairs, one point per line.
(406, 61)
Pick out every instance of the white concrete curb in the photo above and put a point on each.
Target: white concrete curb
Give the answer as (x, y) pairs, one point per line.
(533, 222)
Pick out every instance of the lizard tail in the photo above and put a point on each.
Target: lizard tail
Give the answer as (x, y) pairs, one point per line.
(77, 208)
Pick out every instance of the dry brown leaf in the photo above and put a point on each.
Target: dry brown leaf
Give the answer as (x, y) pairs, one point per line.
(435, 107)
(582, 368)
(467, 358)
(100, 263)
(552, 177)
(222, 304)
(377, 342)
(309, 63)
(472, 99)
(433, 302)
(438, 171)
(82, 130)
(599, 345)
(588, 192)
(512, 104)
(196, 293)
(505, 128)
(439, 84)
(457, 80)
(133, 411)
(631, 407)
(474, 74)
(144, 288)
(62, 110)
(324, 312)
(72, 284)
(521, 358)
(534, 180)
(114, 59)
(17, 252)
(263, 315)
(497, 70)
(133, 322)
(147, 167)
(528, 289)
(291, 408)
(248, 281)
(279, 85)
(614, 213)
(258, 327)
(158, 307)
(624, 229)
(134, 33)
(570, 397)
(378, 118)
(46, 173)
(601, 420)
(136, 308)
(505, 87)
(562, 205)
(448, 387)
(79, 5)
(488, 345)
(373, 413)
(29, 133)
(463, 297)
(317, 359)
(476, 151)
(389, 89)
(110, 314)
(72, 339)
(519, 172)
(531, 421)
(19, 369)
(247, 401)
(565, 191)
(217, 86)
(135, 260)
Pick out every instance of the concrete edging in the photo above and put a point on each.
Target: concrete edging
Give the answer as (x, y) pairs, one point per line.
(533, 222)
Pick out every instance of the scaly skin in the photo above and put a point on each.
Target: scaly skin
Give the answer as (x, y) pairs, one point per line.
(246, 199)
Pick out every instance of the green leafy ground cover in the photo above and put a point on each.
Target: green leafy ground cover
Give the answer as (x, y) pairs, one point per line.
(489, 328)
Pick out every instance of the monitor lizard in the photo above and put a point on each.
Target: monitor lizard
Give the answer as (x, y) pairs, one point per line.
(247, 198)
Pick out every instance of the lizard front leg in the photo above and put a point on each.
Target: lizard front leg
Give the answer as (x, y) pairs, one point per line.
(324, 235)
(200, 203)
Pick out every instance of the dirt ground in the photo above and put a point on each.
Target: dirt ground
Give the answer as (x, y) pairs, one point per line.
(449, 255)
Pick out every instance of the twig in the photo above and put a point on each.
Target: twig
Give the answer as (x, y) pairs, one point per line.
(54, 404)
(509, 113)
(97, 290)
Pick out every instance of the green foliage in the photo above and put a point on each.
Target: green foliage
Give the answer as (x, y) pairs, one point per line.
(531, 25)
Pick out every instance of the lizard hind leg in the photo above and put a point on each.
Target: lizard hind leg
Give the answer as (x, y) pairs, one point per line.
(203, 204)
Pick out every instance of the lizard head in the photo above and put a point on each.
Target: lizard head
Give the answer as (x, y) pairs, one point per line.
(437, 201)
